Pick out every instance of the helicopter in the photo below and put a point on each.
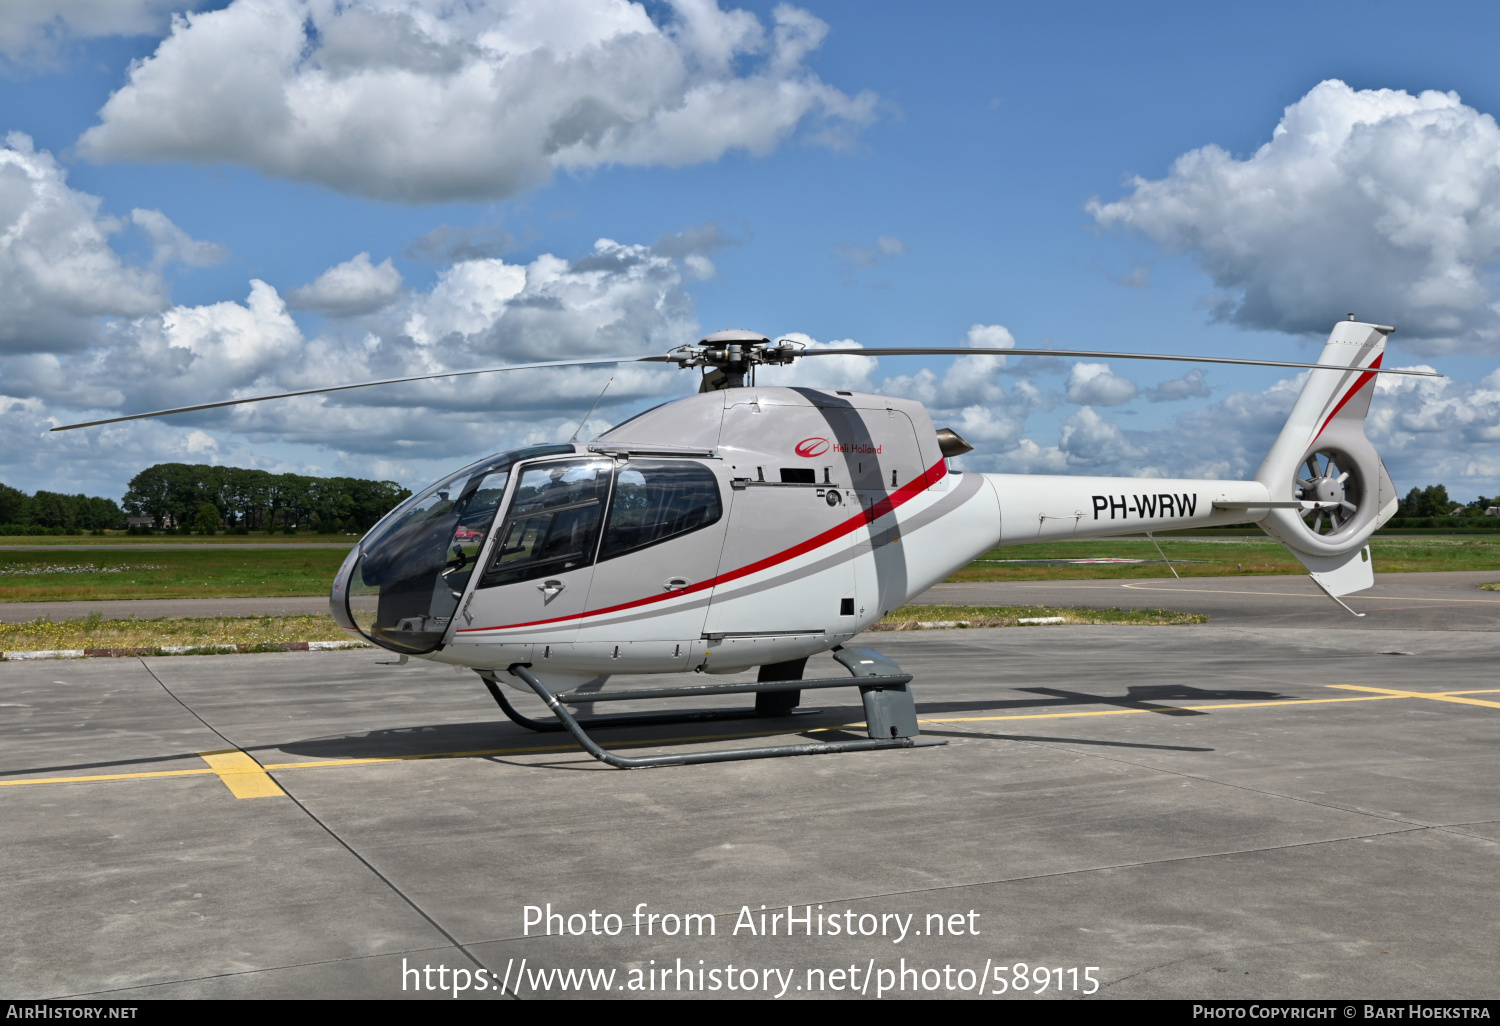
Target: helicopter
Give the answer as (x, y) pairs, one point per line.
(749, 527)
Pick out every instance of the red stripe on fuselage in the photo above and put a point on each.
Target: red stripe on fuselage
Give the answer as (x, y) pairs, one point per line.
(1364, 378)
(899, 497)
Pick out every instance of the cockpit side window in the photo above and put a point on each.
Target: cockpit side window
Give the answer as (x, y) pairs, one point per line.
(414, 565)
(553, 522)
(476, 511)
(656, 500)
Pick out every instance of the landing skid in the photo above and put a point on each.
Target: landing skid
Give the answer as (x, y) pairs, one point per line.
(890, 713)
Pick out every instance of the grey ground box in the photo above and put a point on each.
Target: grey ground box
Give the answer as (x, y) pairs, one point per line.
(1252, 808)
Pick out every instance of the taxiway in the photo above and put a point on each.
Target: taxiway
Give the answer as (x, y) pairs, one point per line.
(1215, 811)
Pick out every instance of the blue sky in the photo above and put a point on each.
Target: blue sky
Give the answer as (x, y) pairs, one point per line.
(929, 182)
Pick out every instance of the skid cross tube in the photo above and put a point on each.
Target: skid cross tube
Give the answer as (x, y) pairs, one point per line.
(700, 716)
(737, 689)
(620, 719)
(652, 761)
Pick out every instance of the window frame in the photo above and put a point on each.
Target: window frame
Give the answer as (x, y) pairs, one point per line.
(503, 522)
(614, 491)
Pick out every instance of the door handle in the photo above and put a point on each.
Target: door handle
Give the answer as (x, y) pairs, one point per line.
(550, 589)
(676, 583)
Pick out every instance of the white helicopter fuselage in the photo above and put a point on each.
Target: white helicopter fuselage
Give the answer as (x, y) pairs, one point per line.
(835, 508)
(757, 526)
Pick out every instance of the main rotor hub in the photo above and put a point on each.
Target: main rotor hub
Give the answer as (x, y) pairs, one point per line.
(733, 354)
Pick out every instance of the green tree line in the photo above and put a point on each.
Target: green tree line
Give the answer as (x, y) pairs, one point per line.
(1433, 501)
(54, 510)
(1432, 507)
(195, 495)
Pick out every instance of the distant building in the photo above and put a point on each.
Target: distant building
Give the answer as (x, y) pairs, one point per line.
(139, 521)
(1492, 511)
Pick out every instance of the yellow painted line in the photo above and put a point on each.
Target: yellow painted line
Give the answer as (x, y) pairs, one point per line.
(1439, 696)
(107, 776)
(244, 777)
(1164, 709)
(239, 771)
(390, 758)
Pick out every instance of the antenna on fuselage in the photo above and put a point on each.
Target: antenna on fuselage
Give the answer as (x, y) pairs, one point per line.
(589, 414)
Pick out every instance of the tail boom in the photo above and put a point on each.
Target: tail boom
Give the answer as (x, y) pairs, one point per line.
(1036, 508)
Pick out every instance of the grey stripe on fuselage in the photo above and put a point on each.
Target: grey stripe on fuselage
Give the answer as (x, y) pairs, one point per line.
(968, 484)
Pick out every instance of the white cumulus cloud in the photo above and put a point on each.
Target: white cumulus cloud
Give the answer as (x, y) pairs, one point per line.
(355, 286)
(58, 273)
(967, 396)
(428, 101)
(174, 358)
(1372, 201)
(1432, 430)
(34, 28)
(852, 373)
(1191, 385)
(617, 299)
(968, 380)
(1096, 443)
(1093, 384)
(171, 245)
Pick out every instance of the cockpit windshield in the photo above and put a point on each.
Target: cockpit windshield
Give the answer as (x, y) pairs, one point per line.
(414, 564)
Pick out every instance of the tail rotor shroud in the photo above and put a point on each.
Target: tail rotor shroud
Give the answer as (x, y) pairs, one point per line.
(1331, 490)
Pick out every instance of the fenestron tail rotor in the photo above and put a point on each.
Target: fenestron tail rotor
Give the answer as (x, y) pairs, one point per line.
(728, 359)
(1330, 490)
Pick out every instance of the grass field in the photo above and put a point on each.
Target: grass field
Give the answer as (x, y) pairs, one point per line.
(79, 574)
(1221, 557)
(121, 538)
(95, 632)
(909, 617)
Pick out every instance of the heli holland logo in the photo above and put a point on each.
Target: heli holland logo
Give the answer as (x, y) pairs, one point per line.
(811, 448)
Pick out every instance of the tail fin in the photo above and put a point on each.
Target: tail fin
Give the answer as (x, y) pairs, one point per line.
(1323, 460)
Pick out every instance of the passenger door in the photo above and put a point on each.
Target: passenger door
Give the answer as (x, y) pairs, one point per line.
(660, 549)
(541, 567)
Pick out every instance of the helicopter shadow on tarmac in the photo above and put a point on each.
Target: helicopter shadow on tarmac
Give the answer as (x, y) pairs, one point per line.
(482, 737)
(1146, 698)
(1040, 740)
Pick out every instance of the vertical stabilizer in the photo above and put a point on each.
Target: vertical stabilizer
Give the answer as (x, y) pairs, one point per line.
(1323, 461)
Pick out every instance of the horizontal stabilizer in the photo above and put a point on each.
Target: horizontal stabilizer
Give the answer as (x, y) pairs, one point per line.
(1340, 575)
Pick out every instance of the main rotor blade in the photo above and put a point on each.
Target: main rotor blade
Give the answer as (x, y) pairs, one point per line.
(598, 361)
(902, 351)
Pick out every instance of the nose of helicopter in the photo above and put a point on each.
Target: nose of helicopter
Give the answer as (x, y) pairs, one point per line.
(400, 587)
(338, 603)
